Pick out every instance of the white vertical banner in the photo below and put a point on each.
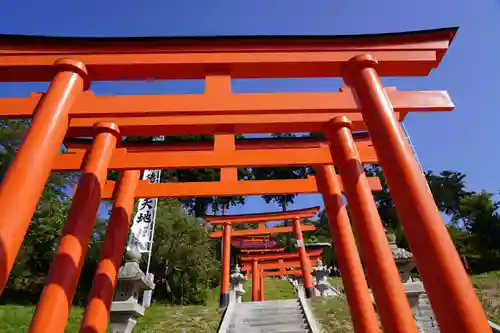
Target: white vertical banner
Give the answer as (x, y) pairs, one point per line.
(142, 231)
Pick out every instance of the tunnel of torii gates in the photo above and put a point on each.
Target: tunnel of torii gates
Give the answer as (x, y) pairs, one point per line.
(258, 266)
(68, 109)
(227, 221)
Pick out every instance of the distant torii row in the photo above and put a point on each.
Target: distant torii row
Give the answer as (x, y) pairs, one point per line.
(260, 218)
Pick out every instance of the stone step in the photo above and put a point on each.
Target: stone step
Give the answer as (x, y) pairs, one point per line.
(274, 329)
(271, 316)
(275, 311)
(270, 330)
(273, 321)
(265, 304)
(269, 306)
(285, 316)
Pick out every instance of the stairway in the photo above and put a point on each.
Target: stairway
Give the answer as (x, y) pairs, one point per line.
(286, 316)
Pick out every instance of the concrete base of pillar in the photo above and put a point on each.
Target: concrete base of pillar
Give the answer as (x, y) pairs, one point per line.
(224, 300)
(309, 292)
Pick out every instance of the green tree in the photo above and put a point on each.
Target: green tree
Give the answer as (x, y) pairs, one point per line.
(448, 189)
(11, 134)
(183, 256)
(481, 220)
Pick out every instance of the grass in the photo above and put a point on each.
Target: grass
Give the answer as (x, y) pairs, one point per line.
(17, 318)
(332, 314)
(488, 290)
(158, 318)
(182, 319)
(336, 282)
(161, 318)
(274, 289)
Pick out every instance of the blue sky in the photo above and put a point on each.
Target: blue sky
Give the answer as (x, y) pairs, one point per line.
(464, 140)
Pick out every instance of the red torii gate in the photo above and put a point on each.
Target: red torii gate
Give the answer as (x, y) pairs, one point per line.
(258, 272)
(259, 218)
(66, 109)
(271, 261)
(223, 150)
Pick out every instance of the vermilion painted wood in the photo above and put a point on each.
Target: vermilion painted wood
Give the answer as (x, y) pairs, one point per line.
(294, 272)
(193, 125)
(449, 288)
(249, 244)
(261, 287)
(361, 307)
(29, 58)
(137, 106)
(23, 183)
(303, 255)
(123, 160)
(277, 256)
(224, 144)
(79, 145)
(96, 317)
(392, 303)
(52, 311)
(210, 189)
(275, 265)
(248, 251)
(218, 111)
(266, 231)
(304, 213)
(226, 261)
(312, 255)
(255, 280)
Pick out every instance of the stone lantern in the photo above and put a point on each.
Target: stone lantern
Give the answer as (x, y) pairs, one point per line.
(130, 284)
(237, 280)
(403, 259)
(321, 273)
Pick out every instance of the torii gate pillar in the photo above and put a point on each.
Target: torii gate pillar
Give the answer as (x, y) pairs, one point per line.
(23, 184)
(395, 313)
(52, 311)
(226, 263)
(255, 280)
(358, 296)
(96, 315)
(304, 259)
(442, 272)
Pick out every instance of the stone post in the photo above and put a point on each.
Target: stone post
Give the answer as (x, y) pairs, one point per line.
(131, 282)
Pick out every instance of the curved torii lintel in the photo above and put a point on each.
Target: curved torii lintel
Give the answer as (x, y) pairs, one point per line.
(263, 217)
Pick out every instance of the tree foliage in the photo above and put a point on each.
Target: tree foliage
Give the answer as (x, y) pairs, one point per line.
(183, 262)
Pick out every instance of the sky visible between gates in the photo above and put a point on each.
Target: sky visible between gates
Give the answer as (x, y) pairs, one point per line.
(465, 140)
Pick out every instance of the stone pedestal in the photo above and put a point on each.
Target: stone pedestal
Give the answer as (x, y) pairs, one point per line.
(417, 297)
(125, 307)
(420, 306)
